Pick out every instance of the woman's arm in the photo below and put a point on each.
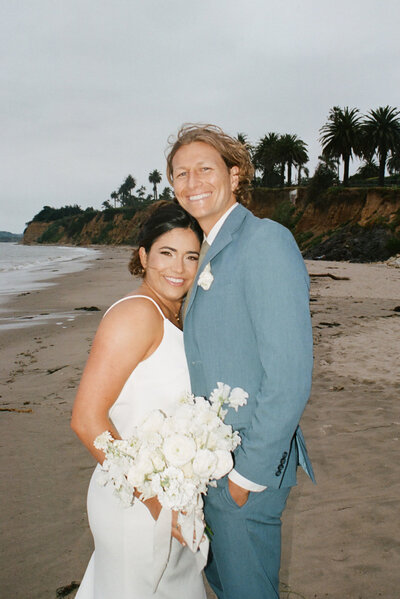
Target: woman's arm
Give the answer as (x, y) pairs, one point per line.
(128, 334)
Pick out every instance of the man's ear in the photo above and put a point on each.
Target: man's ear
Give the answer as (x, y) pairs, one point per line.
(143, 257)
(234, 177)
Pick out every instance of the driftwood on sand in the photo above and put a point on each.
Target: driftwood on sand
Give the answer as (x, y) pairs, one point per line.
(330, 275)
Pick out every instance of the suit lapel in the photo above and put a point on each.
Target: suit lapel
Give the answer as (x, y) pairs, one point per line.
(223, 238)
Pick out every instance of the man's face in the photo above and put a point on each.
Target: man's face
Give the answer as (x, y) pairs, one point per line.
(203, 184)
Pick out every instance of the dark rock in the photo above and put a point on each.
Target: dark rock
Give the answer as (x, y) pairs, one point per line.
(66, 590)
(354, 243)
(89, 309)
(396, 309)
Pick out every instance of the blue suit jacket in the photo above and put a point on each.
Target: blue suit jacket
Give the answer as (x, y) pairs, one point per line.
(252, 329)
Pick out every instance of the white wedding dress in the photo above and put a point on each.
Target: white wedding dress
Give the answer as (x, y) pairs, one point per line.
(121, 566)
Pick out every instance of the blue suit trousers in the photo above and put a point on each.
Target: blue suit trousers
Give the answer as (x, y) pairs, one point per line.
(246, 543)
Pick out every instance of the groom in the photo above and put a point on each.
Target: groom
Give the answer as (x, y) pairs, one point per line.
(247, 324)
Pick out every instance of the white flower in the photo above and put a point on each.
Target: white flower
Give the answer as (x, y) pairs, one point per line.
(237, 398)
(224, 463)
(174, 457)
(220, 394)
(179, 449)
(206, 278)
(153, 421)
(204, 463)
(102, 441)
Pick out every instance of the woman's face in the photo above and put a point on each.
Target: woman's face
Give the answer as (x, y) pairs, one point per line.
(171, 263)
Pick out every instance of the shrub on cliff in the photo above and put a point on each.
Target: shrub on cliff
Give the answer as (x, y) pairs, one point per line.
(49, 214)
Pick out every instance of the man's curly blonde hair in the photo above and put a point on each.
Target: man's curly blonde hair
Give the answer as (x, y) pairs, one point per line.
(231, 150)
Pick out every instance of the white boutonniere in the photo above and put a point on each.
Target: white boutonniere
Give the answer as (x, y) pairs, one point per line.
(206, 278)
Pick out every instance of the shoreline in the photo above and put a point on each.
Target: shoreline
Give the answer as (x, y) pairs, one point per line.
(23, 274)
(338, 537)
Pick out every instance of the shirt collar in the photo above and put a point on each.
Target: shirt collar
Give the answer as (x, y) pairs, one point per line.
(217, 227)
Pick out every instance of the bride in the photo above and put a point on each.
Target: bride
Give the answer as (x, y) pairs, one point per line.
(137, 364)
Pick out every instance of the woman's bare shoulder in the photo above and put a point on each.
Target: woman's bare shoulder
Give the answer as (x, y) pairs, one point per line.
(132, 324)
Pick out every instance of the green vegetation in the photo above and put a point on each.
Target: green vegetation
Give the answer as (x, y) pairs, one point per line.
(393, 245)
(52, 234)
(285, 214)
(49, 214)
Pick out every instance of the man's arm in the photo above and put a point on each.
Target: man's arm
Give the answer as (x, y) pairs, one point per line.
(277, 299)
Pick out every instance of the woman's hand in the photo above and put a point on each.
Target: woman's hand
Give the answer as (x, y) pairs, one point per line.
(176, 529)
(154, 507)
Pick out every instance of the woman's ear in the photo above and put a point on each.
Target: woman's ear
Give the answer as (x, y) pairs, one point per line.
(143, 257)
(234, 177)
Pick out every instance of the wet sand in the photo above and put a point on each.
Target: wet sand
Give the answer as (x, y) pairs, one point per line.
(340, 537)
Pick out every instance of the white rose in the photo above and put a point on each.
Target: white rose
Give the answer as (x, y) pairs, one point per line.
(187, 470)
(142, 467)
(204, 463)
(179, 449)
(224, 463)
(153, 422)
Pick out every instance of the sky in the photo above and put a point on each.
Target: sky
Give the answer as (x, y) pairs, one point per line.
(91, 90)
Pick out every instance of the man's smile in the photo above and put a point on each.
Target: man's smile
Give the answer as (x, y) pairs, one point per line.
(200, 196)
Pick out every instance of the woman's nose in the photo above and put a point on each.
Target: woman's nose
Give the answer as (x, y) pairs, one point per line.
(179, 265)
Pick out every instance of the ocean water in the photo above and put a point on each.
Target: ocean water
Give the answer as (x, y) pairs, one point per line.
(27, 267)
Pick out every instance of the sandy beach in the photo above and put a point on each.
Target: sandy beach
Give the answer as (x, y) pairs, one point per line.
(340, 537)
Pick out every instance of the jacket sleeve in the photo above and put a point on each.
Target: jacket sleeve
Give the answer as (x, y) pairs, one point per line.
(276, 288)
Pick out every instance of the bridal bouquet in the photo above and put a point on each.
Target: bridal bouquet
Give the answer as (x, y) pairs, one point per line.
(175, 457)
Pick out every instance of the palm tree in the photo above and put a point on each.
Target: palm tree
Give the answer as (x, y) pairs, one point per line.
(393, 162)
(340, 136)
(382, 128)
(114, 196)
(155, 178)
(301, 158)
(124, 192)
(166, 194)
(369, 169)
(293, 152)
(242, 137)
(265, 158)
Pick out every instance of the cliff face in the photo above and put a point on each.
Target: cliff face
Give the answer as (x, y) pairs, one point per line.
(342, 218)
(362, 207)
(34, 231)
(115, 227)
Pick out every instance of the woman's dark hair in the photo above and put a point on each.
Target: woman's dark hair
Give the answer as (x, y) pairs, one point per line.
(164, 217)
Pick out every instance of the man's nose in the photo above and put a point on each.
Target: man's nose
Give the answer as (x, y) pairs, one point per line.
(192, 180)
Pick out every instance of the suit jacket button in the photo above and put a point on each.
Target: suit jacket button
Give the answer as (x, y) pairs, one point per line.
(277, 473)
(283, 460)
(284, 454)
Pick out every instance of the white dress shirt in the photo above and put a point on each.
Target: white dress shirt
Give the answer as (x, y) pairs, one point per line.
(234, 476)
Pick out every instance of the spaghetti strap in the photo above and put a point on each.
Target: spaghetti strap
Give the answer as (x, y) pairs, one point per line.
(133, 296)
